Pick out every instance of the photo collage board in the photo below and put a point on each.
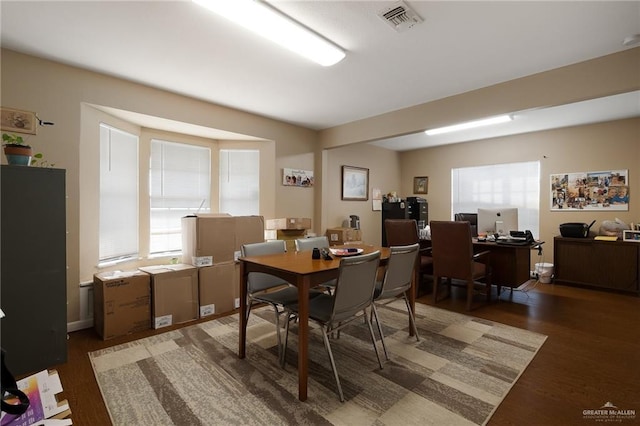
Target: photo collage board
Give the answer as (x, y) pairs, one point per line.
(605, 190)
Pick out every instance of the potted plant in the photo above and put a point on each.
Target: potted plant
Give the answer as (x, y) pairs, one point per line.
(16, 150)
(20, 154)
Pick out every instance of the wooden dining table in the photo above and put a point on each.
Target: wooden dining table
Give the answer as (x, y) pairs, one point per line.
(300, 270)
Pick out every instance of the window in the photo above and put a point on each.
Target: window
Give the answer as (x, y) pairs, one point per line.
(240, 182)
(118, 195)
(180, 184)
(513, 184)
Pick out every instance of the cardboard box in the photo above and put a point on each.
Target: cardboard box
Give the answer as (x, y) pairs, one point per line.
(174, 294)
(338, 236)
(236, 288)
(216, 238)
(208, 239)
(249, 229)
(121, 303)
(289, 223)
(218, 287)
(288, 235)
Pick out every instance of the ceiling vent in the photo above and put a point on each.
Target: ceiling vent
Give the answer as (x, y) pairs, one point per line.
(399, 16)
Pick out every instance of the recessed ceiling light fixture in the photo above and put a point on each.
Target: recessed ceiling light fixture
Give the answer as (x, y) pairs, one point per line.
(470, 125)
(271, 24)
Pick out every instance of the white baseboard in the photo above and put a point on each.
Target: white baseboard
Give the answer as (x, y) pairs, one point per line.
(79, 325)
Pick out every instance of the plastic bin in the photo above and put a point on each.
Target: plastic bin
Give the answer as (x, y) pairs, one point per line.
(545, 272)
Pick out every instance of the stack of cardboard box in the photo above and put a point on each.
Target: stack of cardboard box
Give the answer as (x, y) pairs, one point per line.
(218, 238)
(206, 283)
(341, 236)
(288, 229)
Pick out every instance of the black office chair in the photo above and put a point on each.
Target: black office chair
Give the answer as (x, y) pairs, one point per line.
(404, 232)
(472, 218)
(453, 258)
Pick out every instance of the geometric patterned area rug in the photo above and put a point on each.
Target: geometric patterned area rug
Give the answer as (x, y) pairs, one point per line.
(457, 374)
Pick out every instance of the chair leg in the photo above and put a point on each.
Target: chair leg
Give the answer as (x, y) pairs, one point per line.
(327, 346)
(278, 338)
(283, 355)
(469, 294)
(373, 339)
(374, 312)
(411, 316)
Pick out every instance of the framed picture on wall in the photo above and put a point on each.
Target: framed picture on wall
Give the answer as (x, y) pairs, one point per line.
(18, 121)
(355, 183)
(420, 185)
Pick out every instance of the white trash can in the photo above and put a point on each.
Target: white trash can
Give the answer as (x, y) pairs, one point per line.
(545, 272)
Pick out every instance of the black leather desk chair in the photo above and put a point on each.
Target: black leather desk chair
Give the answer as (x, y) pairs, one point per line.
(472, 218)
(404, 232)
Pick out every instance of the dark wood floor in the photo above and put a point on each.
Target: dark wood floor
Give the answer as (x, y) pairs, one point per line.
(591, 357)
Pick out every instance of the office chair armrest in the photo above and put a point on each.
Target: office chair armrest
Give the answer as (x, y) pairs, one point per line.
(482, 255)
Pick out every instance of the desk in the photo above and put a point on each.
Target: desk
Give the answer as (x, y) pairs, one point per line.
(510, 265)
(304, 272)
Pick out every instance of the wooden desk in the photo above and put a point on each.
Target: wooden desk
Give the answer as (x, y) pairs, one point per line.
(304, 272)
(511, 265)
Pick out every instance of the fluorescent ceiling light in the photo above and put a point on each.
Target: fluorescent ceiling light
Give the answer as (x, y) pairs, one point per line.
(269, 23)
(469, 125)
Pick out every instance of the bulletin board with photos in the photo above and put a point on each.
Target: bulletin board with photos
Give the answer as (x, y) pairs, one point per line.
(602, 190)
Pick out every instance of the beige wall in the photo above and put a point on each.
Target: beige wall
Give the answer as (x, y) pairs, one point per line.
(384, 173)
(608, 75)
(612, 145)
(605, 146)
(60, 93)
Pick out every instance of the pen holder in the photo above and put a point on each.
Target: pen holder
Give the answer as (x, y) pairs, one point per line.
(316, 253)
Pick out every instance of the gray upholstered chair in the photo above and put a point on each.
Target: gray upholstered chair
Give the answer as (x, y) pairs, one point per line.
(261, 287)
(350, 301)
(397, 282)
(308, 244)
(453, 258)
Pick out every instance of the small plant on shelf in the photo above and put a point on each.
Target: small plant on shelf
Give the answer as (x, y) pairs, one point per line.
(18, 152)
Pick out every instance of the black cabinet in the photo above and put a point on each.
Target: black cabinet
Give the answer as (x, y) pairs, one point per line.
(33, 292)
(413, 208)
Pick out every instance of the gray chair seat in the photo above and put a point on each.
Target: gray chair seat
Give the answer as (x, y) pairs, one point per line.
(286, 296)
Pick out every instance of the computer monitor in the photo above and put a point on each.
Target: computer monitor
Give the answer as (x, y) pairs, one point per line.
(500, 220)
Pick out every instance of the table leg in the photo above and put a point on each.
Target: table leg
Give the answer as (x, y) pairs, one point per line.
(242, 340)
(303, 336)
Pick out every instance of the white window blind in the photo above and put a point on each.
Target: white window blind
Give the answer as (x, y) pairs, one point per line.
(240, 182)
(118, 195)
(180, 184)
(499, 185)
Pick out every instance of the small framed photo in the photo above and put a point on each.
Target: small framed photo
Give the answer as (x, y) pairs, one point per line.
(18, 121)
(355, 183)
(420, 185)
(629, 235)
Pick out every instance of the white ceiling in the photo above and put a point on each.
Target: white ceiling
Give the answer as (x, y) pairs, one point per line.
(460, 46)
